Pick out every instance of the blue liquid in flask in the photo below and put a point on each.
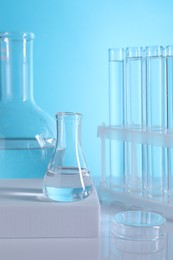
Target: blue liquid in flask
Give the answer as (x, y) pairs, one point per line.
(18, 161)
(67, 184)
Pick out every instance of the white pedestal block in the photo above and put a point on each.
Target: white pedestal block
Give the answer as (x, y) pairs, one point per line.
(26, 213)
(50, 248)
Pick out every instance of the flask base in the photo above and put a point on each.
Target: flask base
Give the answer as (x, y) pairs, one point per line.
(67, 194)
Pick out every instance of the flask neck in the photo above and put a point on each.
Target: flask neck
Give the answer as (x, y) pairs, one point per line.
(68, 131)
(16, 67)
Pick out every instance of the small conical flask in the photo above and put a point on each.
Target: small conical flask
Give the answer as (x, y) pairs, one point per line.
(67, 177)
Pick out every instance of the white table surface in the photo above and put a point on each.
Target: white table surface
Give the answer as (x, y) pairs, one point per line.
(103, 248)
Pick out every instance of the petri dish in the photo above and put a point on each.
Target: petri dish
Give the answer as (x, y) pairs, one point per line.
(138, 225)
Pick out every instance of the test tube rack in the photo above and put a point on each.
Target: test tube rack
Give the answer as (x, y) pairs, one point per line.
(137, 144)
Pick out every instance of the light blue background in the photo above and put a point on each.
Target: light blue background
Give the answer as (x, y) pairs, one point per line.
(70, 51)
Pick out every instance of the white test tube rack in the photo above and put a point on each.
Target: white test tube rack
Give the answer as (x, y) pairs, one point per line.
(128, 199)
(144, 136)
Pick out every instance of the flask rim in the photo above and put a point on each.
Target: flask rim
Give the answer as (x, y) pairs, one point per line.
(59, 114)
(13, 35)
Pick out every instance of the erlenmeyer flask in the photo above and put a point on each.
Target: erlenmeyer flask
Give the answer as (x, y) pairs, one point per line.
(27, 133)
(67, 177)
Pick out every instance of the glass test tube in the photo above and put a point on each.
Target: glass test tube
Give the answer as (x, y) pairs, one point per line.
(116, 116)
(134, 104)
(156, 118)
(169, 77)
(144, 146)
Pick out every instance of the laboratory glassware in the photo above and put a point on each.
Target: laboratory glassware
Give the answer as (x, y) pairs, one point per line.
(134, 118)
(156, 118)
(67, 178)
(169, 78)
(27, 133)
(116, 117)
(139, 235)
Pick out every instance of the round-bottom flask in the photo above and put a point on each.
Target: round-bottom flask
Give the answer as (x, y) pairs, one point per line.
(27, 133)
(67, 177)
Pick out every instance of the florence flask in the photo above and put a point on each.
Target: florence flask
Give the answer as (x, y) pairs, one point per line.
(27, 133)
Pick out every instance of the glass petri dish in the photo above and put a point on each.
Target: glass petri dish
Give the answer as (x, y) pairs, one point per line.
(138, 225)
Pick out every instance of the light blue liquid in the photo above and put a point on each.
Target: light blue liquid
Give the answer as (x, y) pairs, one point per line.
(66, 184)
(117, 171)
(22, 162)
(134, 176)
(133, 151)
(157, 171)
(116, 118)
(67, 194)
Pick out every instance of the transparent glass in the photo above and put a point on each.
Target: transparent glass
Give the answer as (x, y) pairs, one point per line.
(138, 235)
(134, 82)
(139, 225)
(169, 78)
(134, 117)
(27, 133)
(67, 177)
(116, 117)
(156, 118)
